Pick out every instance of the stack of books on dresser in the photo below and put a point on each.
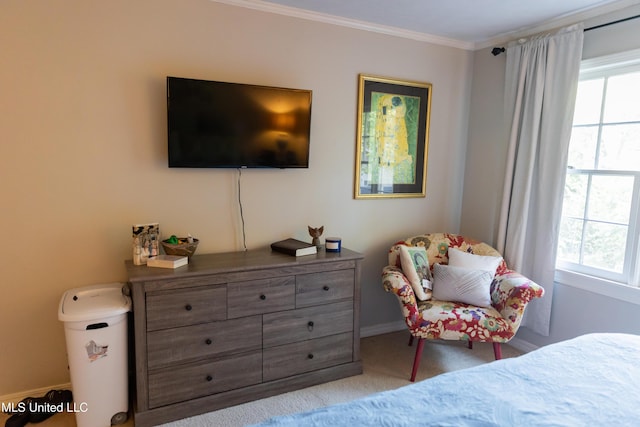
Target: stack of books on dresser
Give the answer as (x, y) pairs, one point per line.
(167, 261)
(294, 247)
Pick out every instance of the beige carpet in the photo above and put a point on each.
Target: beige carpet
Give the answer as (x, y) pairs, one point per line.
(387, 361)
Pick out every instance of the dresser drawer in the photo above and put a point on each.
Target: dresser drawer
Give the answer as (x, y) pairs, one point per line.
(190, 381)
(177, 345)
(307, 323)
(321, 288)
(261, 296)
(305, 356)
(170, 309)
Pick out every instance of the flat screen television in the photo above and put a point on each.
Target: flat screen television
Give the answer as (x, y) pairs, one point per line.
(230, 125)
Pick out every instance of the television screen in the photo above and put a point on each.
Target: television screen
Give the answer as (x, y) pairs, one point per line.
(229, 125)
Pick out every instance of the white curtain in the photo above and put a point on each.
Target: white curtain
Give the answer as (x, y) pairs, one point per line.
(541, 83)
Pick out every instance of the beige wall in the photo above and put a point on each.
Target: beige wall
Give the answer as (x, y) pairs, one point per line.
(83, 150)
(486, 148)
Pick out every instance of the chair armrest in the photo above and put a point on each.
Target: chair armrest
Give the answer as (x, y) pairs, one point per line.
(394, 281)
(510, 294)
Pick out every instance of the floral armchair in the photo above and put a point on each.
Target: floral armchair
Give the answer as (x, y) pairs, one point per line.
(430, 319)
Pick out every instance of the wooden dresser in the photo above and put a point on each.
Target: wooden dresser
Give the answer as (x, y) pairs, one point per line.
(234, 327)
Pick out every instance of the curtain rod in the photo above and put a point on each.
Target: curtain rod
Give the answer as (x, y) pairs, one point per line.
(498, 50)
(612, 23)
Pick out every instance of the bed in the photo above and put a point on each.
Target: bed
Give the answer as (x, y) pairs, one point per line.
(590, 380)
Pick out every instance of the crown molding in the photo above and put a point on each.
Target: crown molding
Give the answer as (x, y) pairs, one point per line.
(347, 22)
(558, 22)
(569, 19)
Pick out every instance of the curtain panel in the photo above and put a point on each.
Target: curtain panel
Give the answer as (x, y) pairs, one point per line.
(541, 83)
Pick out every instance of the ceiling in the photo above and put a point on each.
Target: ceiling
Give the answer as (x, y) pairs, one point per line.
(463, 23)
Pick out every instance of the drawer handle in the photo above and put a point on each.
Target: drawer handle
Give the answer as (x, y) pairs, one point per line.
(263, 297)
(188, 307)
(325, 287)
(310, 356)
(208, 341)
(209, 378)
(310, 326)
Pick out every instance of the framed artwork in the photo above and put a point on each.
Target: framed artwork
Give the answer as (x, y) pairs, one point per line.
(392, 138)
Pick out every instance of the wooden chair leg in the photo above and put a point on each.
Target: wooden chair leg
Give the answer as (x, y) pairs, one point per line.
(410, 340)
(416, 359)
(497, 350)
(470, 345)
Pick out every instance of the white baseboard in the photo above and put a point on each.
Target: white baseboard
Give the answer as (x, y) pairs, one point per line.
(38, 392)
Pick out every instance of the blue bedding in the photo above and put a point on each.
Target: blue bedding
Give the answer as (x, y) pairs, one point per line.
(591, 380)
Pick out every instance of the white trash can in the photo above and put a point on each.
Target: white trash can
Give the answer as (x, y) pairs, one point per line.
(95, 328)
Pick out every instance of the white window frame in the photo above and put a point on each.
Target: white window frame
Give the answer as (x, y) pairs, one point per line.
(592, 68)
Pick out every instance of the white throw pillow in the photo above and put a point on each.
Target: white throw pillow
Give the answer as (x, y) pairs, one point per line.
(458, 258)
(470, 286)
(415, 265)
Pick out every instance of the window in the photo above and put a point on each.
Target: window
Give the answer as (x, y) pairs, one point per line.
(601, 210)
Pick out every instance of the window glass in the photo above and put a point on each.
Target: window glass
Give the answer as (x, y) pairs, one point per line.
(583, 147)
(623, 98)
(610, 198)
(570, 240)
(600, 214)
(604, 246)
(588, 102)
(575, 195)
(620, 147)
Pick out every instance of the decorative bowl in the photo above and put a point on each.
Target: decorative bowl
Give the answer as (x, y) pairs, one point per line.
(182, 248)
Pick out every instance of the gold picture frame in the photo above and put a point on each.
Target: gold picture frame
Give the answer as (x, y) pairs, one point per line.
(392, 138)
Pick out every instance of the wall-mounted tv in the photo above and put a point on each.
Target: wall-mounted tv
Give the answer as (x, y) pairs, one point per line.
(230, 125)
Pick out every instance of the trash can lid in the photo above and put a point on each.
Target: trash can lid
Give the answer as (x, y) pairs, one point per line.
(93, 302)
